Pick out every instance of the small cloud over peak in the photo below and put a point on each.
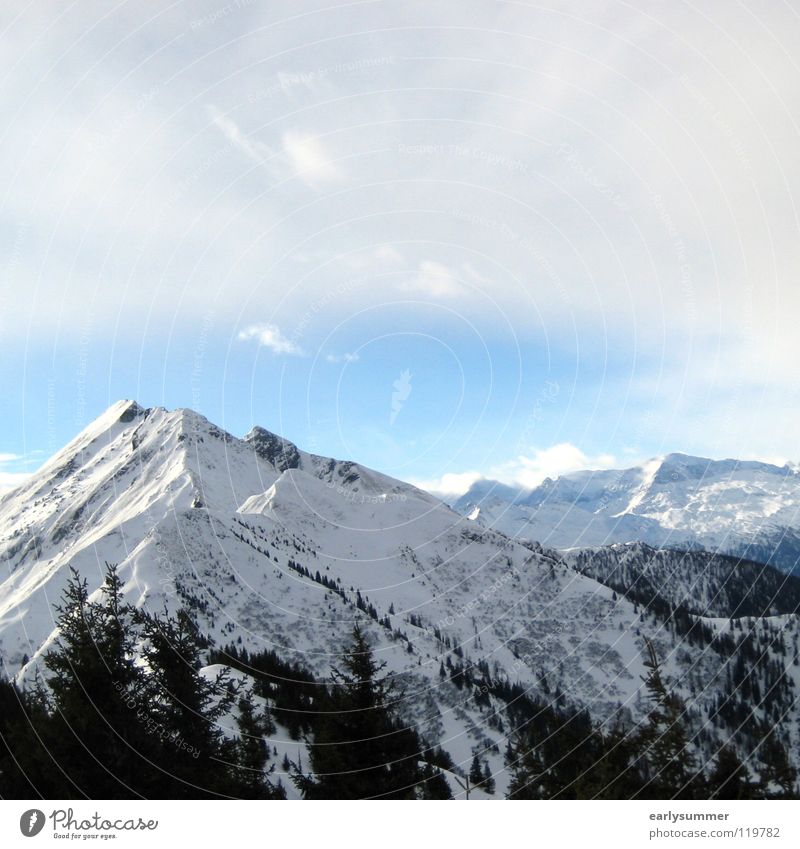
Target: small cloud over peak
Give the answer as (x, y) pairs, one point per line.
(449, 486)
(524, 472)
(269, 336)
(560, 459)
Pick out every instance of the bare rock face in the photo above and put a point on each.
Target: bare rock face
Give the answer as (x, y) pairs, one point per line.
(276, 450)
(134, 411)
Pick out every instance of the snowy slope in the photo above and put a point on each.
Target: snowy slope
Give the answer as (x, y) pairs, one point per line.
(743, 508)
(276, 548)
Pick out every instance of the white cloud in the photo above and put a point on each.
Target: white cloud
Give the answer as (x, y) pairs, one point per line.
(9, 458)
(11, 480)
(436, 280)
(269, 336)
(525, 471)
(530, 471)
(309, 158)
(449, 486)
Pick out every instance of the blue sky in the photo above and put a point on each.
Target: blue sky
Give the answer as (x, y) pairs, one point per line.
(571, 229)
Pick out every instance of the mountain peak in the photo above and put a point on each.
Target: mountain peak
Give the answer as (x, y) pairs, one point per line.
(276, 450)
(486, 488)
(676, 467)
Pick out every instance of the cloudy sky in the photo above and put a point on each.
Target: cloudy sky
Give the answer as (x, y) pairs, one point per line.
(446, 239)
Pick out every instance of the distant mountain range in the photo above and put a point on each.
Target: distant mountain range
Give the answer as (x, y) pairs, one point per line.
(742, 508)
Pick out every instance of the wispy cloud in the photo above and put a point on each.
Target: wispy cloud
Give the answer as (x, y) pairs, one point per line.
(304, 153)
(373, 259)
(269, 336)
(346, 357)
(254, 149)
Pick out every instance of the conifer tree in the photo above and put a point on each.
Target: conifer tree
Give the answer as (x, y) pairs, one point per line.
(671, 768)
(777, 778)
(360, 749)
(728, 778)
(476, 772)
(94, 689)
(187, 708)
(26, 769)
(524, 763)
(488, 779)
(434, 784)
(252, 751)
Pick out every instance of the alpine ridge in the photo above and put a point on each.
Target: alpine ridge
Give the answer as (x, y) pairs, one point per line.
(743, 508)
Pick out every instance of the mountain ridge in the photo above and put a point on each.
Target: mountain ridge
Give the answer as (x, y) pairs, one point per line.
(743, 508)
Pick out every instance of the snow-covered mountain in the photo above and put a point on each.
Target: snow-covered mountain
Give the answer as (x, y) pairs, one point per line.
(742, 508)
(275, 548)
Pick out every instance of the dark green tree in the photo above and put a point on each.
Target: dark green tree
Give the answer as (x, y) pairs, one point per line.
(476, 772)
(26, 768)
(434, 784)
(728, 778)
(777, 777)
(360, 749)
(524, 763)
(186, 711)
(94, 689)
(670, 765)
(252, 750)
(488, 779)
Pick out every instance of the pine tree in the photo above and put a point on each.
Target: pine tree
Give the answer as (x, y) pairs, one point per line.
(488, 779)
(524, 763)
(252, 751)
(614, 772)
(360, 749)
(187, 708)
(777, 778)
(670, 764)
(95, 688)
(728, 778)
(434, 784)
(476, 772)
(104, 724)
(26, 769)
